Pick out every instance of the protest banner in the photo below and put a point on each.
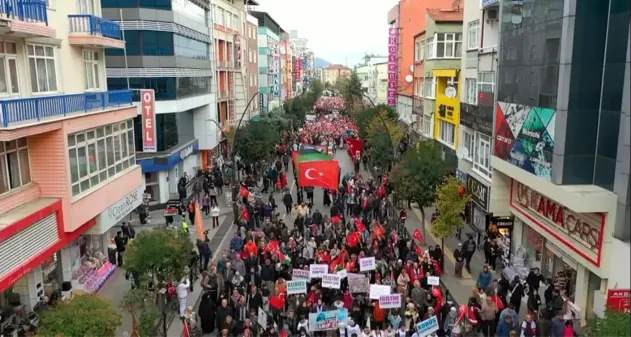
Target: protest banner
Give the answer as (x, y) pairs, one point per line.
(296, 287)
(317, 270)
(358, 284)
(390, 301)
(427, 327)
(299, 274)
(342, 273)
(377, 290)
(332, 281)
(262, 318)
(433, 280)
(367, 264)
(327, 320)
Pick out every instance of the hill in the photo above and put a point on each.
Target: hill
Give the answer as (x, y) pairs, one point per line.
(321, 63)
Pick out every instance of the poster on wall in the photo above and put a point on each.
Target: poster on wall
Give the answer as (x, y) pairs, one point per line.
(525, 137)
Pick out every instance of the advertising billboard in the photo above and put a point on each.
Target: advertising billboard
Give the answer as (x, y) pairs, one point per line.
(148, 106)
(393, 55)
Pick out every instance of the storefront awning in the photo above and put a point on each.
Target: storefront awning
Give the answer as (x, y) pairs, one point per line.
(444, 72)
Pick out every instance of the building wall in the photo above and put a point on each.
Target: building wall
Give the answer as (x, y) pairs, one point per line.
(381, 89)
(252, 61)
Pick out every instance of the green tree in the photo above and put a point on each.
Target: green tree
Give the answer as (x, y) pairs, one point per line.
(419, 173)
(162, 253)
(256, 141)
(614, 324)
(450, 204)
(365, 116)
(84, 315)
(317, 88)
(141, 308)
(380, 152)
(353, 93)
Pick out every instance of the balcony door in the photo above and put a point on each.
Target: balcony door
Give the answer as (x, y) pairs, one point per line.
(88, 7)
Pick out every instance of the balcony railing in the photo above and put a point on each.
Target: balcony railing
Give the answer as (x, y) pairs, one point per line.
(25, 10)
(94, 25)
(37, 108)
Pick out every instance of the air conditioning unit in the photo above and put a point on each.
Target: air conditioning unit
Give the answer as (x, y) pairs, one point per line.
(492, 14)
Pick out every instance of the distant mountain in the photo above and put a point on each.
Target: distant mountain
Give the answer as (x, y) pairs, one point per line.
(321, 63)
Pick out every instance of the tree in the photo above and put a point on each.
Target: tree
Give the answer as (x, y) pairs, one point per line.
(139, 304)
(365, 116)
(317, 88)
(383, 135)
(84, 315)
(450, 204)
(352, 92)
(614, 323)
(162, 253)
(256, 141)
(419, 173)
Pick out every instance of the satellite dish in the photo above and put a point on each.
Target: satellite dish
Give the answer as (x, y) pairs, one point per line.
(412, 68)
(462, 152)
(409, 78)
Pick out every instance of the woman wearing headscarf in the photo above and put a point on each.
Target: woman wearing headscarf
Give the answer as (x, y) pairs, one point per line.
(207, 311)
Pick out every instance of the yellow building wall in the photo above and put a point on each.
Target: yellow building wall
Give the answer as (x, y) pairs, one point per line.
(452, 114)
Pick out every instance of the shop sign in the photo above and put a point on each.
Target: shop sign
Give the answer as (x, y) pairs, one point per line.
(148, 105)
(115, 213)
(187, 151)
(461, 176)
(479, 192)
(619, 299)
(579, 231)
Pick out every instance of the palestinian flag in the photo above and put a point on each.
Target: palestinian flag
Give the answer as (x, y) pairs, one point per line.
(284, 259)
(299, 157)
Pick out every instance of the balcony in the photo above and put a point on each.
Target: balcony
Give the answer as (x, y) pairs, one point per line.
(24, 19)
(16, 112)
(94, 31)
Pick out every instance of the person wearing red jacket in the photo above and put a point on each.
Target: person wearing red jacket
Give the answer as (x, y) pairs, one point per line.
(416, 273)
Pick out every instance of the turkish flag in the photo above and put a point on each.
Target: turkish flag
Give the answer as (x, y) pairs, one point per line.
(186, 332)
(245, 215)
(418, 235)
(354, 145)
(336, 220)
(322, 173)
(361, 228)
(353, 239)
(379, 231)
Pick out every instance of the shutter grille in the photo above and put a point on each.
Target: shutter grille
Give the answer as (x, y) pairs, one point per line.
(27, 244)
(158, 72)
(170, 27)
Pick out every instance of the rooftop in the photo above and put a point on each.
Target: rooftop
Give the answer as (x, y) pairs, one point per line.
(336, 66)
(445, 15)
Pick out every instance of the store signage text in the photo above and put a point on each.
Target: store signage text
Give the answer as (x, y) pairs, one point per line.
(148, 105)
(478, 191)
(585, 228)
(619, 299)
(187, 151)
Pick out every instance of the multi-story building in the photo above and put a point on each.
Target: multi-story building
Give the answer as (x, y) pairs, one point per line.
(381, 86)
(335, 71)
(480, 31)
(302, 61)
(68, 170)
(560, 155)
(168, 50)
(287, 65)
(270, 34)
(252, 37)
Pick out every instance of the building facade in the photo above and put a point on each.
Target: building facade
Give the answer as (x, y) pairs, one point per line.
(560, 156)
(269, 61)
(68, 170)
(333, 72)
(381, 83)
(252, 33)
(287, 66)
(480, 31)
(175, 60)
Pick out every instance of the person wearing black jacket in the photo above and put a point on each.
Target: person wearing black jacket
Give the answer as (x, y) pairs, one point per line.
(459, 256)
(222, 312)
(287, 201)
(534, 279)
(205, 253)
(548, 293)
(121, 241)
(517, 294)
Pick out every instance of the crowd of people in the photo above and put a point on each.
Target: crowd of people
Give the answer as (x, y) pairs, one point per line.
(246, 293)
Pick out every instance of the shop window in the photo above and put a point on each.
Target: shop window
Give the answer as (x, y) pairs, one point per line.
(15, 168)
(97, 155)
(533, 243)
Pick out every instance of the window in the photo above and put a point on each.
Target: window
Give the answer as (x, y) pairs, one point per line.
(235, 22)
(97, 155)
(427, 125)
(9, 83)
(468, 142)
(422, 56)
(15, 169)
(429, 88)
(486, 82)
(431, 47)
(91, 69)
(418, 87)
(482, 155)
(186, 47)
(87, 7)
(448, 45)
(417, 51)
(41, 60)
(472, 35)
(472, 92)
(447, 133)
(229, 20)
(221, 16)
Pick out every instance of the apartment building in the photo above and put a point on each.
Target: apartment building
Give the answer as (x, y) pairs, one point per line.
(68, 170)
(335, 71)
(168, 49)
(270, 34)
(480, 31)
(252, 32)
(287, 65)
(560, 160)
(381, 83)
(302, 59)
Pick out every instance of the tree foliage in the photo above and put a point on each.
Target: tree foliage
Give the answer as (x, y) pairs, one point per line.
(614, 324)
(365, 116)
(352, 92)
(296, 108)
(138, 302)
(380, 151)
(419, 173)
(256, 141)
(84, 315)
(450, 204)
(162, 253)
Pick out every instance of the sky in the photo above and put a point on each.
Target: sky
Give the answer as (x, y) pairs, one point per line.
(339, 31)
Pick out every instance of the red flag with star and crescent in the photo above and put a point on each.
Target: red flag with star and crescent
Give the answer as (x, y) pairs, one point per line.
(321, 173)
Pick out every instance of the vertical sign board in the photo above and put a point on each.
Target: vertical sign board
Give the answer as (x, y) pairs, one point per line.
(148, 106)
(393, 57)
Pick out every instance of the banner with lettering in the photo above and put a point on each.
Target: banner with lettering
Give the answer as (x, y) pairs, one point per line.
(317, 270)
(299, 274)
(367, 264)
(390, 301)
(332, 281)
(296, 287)
(358, 284)
(327, 320)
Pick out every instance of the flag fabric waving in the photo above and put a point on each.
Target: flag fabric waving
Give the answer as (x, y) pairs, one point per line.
(354, 145)
(320, 173)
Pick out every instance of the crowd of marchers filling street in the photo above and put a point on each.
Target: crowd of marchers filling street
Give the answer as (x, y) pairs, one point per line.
(350, 269)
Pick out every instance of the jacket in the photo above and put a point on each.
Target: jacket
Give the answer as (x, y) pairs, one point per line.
(557, 327)
(485, 279)
(182, 288)
(503, 329)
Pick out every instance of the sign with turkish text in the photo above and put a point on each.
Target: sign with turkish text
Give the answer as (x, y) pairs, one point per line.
(317, 270)
(118, 211)
(296, 287)
(148, 106)
(619, 299)
(581, 232)
(478, 191)
(262, 318)
(367, 263)
(358, 284)
(332, 281)
(393, 58)
(327, 320)
(390, 301)
(433, 280)
(427, 327)
(377, 290)
(299, 274)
